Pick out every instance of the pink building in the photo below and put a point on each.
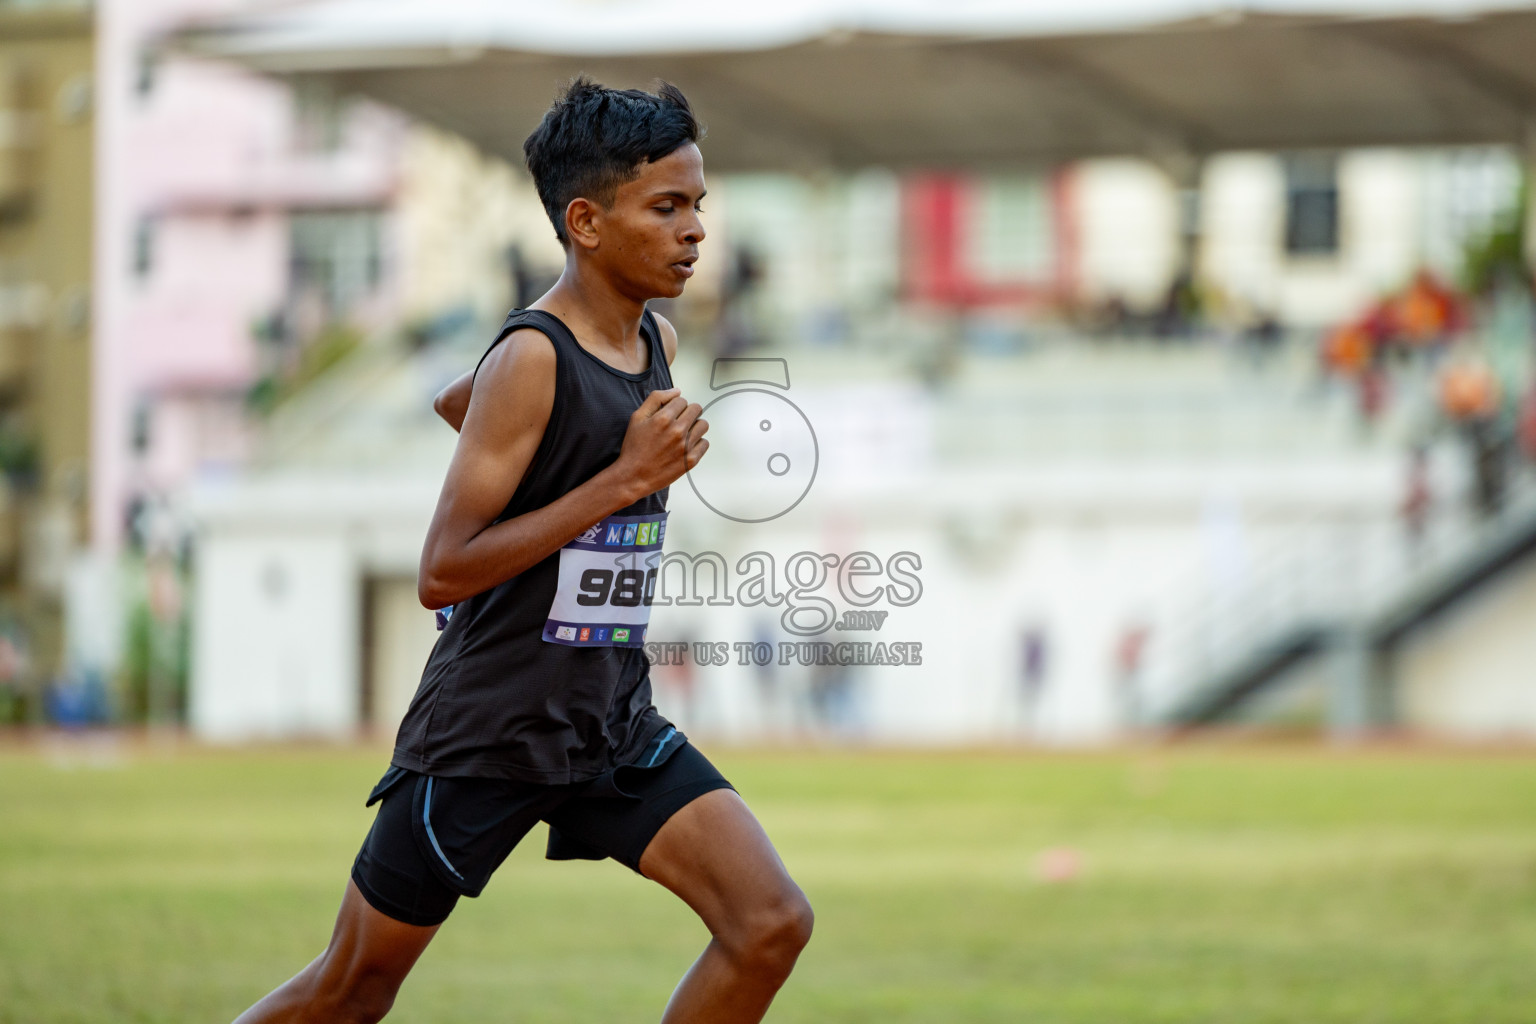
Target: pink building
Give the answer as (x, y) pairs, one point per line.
(235, 217)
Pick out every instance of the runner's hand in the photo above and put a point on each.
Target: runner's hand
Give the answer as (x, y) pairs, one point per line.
(665, 439)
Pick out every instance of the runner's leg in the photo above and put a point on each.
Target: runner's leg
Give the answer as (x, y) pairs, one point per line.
(717, 858)
(356, 978)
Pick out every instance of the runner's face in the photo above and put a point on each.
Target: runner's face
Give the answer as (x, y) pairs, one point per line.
(651, 234)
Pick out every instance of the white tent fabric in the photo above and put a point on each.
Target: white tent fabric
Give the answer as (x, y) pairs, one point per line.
(907, 83)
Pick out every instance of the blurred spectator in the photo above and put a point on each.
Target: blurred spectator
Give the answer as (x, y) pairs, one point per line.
(1130, 650)
(16, 691)
(1263, 335)
(1427, 314)
(78, 700)
(1422, 318)
(1526, 425)
(1489, 454)
(766, 677)
(1371, 389)
(1470, 398)
(677, 683)
(737, 329)
(1469, 391)
(1417, 501)
(154, 677)
(528, 281)
(1348, 349)
(1034, 651)
(1109, 318)
(1181, 308)
(834, 704)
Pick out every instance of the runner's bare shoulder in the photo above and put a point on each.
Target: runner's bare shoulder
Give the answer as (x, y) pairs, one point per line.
(668, 337)
(514, 385)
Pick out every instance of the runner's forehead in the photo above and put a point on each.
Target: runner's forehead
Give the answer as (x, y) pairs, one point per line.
(680, 172)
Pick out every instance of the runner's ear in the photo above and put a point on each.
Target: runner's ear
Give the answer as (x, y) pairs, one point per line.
(581, 223)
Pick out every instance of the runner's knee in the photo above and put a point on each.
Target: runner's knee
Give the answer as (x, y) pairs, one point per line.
(361, 996)
(770, 937)
(366, 1007)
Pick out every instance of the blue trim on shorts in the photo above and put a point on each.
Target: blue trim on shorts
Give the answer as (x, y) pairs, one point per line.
(661, 744)
(426, 819)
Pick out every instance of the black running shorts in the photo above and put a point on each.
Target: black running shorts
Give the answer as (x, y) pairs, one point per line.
(436, 838)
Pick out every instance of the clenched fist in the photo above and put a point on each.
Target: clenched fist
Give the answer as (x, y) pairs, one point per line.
(665, 439)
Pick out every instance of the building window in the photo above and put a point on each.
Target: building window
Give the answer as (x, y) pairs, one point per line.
(1311, 204)
(1013, 229)
(1482, 193)
(144, 247)
(318, 116)
(337, 258)
(985, 241)
(147, 73)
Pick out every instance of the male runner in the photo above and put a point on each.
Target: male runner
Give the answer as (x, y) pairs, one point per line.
(536, 701)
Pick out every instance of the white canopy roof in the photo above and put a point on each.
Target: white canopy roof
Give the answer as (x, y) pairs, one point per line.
(909, 83)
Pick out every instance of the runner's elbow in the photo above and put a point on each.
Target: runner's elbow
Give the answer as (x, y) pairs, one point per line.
(432, 590)
(449, 408)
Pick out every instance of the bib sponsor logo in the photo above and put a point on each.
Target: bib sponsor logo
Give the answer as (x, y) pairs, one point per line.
(607, 583)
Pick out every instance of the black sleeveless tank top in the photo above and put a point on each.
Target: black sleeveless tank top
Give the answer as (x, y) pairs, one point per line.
(496, 700)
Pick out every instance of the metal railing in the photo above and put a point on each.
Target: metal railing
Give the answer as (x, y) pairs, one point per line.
(1313, 580)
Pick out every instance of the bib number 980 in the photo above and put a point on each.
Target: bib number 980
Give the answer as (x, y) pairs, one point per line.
(627, 588)
(607, 583)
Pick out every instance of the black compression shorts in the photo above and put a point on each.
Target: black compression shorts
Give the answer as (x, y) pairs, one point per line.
(437, 838)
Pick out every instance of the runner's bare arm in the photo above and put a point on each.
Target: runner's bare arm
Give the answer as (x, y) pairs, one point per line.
(452, 402)
(508, 410)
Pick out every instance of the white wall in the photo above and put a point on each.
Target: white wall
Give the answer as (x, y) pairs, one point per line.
(1128, 230)
(403, 634)
(275, 644)
(1473, 672)
(1083, 552)
(281, 562)
(1244, 218)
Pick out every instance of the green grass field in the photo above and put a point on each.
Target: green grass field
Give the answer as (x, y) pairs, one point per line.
(1218, 884)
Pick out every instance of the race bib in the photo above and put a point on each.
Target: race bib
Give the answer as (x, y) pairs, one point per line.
(607, 583)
